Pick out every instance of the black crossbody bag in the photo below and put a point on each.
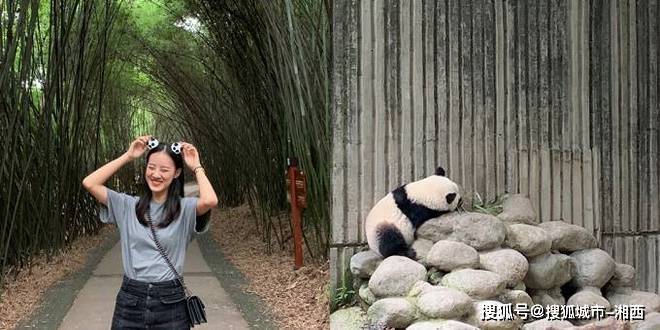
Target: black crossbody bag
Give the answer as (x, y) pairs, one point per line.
(194, 305)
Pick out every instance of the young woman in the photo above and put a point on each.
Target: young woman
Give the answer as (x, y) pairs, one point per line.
(150, 294)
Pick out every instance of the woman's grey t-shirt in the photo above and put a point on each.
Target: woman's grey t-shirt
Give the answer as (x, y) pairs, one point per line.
(140, 257)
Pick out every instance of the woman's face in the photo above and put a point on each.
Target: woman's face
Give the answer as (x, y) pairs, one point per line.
(160, 171)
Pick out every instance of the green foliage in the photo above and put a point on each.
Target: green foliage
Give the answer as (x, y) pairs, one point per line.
(492, 207)
(252, 87)
(149, 15)
(62, 113)
(79, 80)
(344, 294)
(343, 297)
(434, 276)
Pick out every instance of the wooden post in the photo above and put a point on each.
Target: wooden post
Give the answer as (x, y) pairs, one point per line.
(297, 198)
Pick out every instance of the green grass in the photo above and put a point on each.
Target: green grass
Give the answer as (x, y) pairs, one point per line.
(344, 297)
(492, 207)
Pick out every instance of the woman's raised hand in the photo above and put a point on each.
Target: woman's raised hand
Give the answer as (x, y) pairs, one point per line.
(138, 147)
(190, 155)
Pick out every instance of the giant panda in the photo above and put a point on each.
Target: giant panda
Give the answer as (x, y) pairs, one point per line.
(390, 225)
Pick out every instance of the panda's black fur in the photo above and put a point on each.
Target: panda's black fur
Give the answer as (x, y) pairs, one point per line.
(416, 213)
(391, 242)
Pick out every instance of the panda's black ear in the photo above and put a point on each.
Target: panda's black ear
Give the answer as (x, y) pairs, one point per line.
(440, 171)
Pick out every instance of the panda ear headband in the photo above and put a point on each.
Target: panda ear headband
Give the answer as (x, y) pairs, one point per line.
(175, 147)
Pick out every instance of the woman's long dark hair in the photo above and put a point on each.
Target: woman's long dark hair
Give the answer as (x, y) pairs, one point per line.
(174, 192)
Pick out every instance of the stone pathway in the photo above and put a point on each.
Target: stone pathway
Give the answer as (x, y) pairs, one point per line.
(85, 300)
(94, 304)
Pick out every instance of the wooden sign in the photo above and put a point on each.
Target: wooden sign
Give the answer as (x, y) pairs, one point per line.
(299, 200)
(300, 188)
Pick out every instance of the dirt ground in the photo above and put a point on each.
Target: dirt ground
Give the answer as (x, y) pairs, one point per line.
(297, 299)
(27, 286)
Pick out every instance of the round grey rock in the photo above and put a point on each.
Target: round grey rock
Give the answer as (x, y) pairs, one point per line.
(609, 323)
(651, 301)
(618, 290)
(478, 230)
(444, 303)
(549, 270)
(651, 322)
(547, 297)
(515, 297)
(422, 247)
(439, 228)
(449, 255)
(556, 294)
(364, 263)
(477, 318)
(353, 318)
(624, 276)
(510, 264)
(567, 237)
(478, 284)
(395, 276)
(392, 312)
(529, 240)
(518, 209)
(418, 288)
(366, 295)
(594, 267)
(588, 298)
(546, 324)
(440, 325)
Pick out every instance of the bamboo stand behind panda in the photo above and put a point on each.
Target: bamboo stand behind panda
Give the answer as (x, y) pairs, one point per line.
(391, 223)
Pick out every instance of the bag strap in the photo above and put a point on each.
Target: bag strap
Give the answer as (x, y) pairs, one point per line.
(162, 252)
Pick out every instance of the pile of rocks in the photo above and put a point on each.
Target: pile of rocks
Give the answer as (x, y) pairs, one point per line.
(472, 264)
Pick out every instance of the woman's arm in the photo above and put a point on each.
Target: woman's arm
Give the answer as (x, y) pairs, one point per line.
(94, 183)
(207, 197)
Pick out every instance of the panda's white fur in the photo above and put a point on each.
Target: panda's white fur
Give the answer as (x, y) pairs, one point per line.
(390, 225)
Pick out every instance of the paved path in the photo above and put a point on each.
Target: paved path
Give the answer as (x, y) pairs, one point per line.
(94, 304)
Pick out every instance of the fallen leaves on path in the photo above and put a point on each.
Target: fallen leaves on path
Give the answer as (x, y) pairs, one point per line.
(24, 289)
(296, 298)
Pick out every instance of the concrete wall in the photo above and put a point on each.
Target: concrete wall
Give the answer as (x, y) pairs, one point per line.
(554, 99)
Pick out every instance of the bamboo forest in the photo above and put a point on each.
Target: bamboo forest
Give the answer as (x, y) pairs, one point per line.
(246, 81)
(342, 164)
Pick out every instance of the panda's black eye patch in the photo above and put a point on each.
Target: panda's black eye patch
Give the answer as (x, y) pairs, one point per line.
(450, 198)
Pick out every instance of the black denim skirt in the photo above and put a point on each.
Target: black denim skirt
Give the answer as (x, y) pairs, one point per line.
(156, 305)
